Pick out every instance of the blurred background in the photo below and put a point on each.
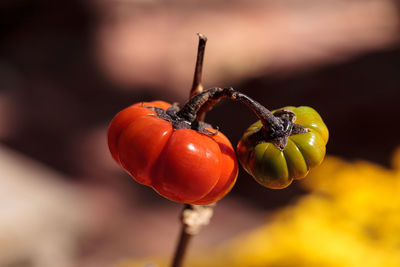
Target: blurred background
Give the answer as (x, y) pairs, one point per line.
(67, 67)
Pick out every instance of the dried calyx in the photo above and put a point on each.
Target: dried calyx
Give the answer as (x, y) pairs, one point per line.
(178, 122)
(276, 128)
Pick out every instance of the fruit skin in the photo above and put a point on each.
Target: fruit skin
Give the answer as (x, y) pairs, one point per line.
(276, 169)
(182, 165)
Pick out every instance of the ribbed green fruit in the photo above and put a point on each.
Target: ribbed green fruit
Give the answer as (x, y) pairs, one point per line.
(275, 168)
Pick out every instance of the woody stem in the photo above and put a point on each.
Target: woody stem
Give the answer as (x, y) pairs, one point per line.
(197, 87)
(193, 217)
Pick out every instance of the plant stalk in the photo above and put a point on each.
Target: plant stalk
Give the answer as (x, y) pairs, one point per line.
(197, 87)
(193, 217)
(183, 242)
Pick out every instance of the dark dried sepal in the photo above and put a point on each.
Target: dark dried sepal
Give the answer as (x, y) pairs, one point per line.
(171, 115)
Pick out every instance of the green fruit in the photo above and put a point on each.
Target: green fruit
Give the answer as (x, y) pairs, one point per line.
(275, 168)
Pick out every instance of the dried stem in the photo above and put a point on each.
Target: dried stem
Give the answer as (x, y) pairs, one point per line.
(183, 242)
(193, 217)
(197, 87)
(180, 251)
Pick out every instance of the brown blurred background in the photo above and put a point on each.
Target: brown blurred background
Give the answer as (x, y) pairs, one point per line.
(67, 67)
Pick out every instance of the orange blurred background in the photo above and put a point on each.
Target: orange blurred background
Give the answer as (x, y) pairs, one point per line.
(67, 67)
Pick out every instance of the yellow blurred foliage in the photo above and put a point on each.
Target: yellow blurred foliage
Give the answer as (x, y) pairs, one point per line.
(350, 218)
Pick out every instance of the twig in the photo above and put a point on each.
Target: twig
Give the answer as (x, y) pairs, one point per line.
(193, 217)
(197, 87)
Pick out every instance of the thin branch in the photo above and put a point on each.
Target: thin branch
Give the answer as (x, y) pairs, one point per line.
(193, 218)
(183, 242)
(197, 87)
